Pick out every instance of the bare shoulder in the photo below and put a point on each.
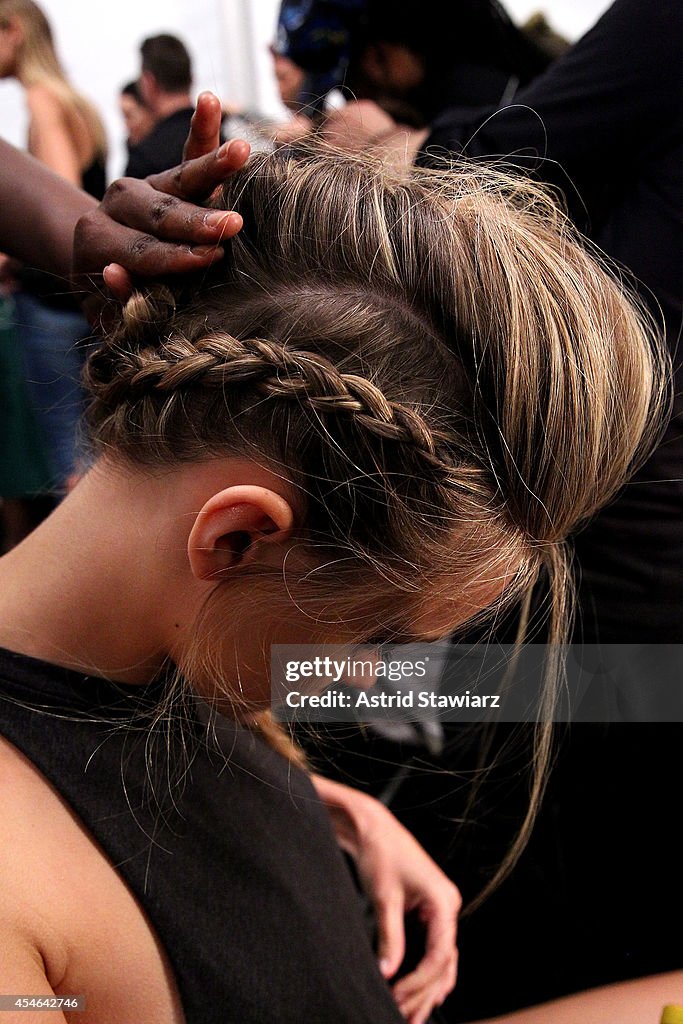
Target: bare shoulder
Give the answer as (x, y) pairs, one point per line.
(66, 911)
(43, 102)
(34, 945)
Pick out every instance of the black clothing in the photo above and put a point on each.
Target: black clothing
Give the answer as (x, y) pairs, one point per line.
(94, 177)
(597, 896)
(605, 124)
(235, 862)
(163, 147)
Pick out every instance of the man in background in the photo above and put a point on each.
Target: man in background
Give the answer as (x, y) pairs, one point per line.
(165, 84)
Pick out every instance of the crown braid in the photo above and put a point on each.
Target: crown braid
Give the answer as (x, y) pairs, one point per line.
(221, 361)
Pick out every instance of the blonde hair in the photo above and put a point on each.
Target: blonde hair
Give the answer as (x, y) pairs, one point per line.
(39, 65)
(449, 378)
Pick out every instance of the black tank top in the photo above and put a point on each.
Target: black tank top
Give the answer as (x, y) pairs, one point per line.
(234, 861)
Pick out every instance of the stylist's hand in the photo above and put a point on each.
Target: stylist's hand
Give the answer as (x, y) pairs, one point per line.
(153, 227)
(399, 877)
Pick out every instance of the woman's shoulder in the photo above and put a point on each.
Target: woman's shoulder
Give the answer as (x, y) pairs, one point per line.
(29, 901)
(43, 101)
(64, 908)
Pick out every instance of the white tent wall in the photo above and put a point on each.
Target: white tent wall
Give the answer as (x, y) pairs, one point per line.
(228, 40)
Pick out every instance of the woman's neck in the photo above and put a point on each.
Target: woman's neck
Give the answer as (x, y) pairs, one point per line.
(86, 589)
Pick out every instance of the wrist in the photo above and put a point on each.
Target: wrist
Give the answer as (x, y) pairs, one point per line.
(351, 811)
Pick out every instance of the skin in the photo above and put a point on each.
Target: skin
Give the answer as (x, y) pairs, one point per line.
(289, 78)
(362, 123)
(160, 102)
(632, 1002)
(393, 67)
(141, 229)
(138, 119)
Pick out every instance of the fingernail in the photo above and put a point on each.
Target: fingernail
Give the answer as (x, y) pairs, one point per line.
(223, 151)
(218, 219)
(202, 250)
(385, 966)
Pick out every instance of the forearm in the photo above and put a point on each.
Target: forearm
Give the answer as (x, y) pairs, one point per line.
(39, 212)
(632, 1002)
(348, 809)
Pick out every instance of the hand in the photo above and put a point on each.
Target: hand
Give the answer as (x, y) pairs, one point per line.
(356, 125)
(285, 133)
(362, 125)
(399, 877)
(153, 227)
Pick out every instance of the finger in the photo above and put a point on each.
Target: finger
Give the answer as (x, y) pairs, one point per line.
(417, 1005)
(419, 1009)
(437, 969)
(118, 281)
(104, 243)
(197, 179)
(137, 205)
(390, 922)
(205, 127)
(431, 986)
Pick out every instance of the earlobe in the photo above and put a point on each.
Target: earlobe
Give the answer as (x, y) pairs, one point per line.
(233, 527)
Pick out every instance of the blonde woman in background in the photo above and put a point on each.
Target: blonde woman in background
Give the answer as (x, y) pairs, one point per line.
(65, 130)
(66, 133)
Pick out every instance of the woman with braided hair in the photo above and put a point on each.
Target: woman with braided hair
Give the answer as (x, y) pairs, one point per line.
(379, 417)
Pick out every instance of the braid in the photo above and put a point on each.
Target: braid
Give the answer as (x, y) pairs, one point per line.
(273, 370)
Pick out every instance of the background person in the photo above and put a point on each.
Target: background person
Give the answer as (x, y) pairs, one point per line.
(413, 59)
(137, 116)
(165, 86)
(66, 133)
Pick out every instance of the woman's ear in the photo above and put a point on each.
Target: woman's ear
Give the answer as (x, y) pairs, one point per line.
(233, 528)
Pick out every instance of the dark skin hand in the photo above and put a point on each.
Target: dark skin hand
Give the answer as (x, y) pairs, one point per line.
(153, 227)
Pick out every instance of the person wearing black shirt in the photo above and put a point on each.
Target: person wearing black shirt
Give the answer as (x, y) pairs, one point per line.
(165, 85)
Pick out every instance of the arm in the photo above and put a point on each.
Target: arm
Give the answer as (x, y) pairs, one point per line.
(49, 138)
(631, 1002)
(147, 227)
(400, 877)
(22, 973)
(38, 211)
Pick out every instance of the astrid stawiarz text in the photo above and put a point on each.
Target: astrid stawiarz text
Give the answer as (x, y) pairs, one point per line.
(398, 699)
